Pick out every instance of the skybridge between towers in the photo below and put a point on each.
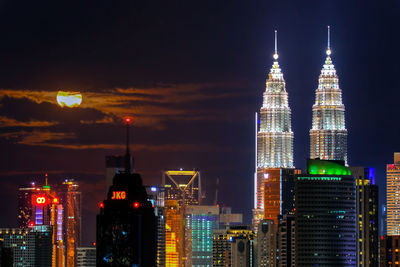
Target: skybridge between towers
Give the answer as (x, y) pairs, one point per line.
(183, 186)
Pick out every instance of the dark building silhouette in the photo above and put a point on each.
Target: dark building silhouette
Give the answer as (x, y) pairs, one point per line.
(126, 225)
(325, 202)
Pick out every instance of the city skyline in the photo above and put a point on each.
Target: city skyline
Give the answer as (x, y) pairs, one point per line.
(192, 102)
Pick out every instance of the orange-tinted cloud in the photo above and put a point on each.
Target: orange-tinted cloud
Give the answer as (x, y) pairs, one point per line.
(9, 122)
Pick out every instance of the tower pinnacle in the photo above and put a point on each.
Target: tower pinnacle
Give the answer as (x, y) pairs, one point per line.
(127, 155)
(276, 45)
(328, 50)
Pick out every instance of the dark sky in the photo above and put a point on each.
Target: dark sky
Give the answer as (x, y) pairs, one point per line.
(191, 74)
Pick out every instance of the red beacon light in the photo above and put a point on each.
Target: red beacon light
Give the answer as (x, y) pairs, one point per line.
(136, 205)
(101, 205)
(128, 120)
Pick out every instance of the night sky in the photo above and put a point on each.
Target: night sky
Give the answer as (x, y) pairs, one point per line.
(191, 74)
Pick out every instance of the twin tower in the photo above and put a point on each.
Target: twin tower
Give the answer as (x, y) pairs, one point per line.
(328, 135)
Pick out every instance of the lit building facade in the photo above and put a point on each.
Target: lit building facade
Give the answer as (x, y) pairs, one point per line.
(274, 141)
(31, 247)
(86, 257)
(266, 244)
(181, 185)
(286, 241)
(174, 234)
(155, 195)
(328, 135)
(71, 200)
(393, 196)
(200, 222)
(234, 247)
(325, 215)
(25, 204)
(367, 214)
(389, 251)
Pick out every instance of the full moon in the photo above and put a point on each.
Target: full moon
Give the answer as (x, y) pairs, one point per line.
(69, 99)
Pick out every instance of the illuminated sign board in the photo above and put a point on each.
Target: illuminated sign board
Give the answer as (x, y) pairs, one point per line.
(39, 200)
(118, 195)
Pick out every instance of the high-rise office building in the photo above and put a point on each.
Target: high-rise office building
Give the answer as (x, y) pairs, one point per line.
(174, 234)
(234, 247)
(126, 225)
(278, 192)
(86, 257)
(266, 244)
(393, 196)
(274, 140)
(156, 197)
(389, 251)
(181, 185)
(286, 241)
(227, 218)
(325, 215)
(328, 134)
(367, 216)
(31, 247)
(25, 204)
(71, 200)
(200, 222)
(115, 164)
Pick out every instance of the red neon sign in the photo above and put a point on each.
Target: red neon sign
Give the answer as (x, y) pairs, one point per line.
(40, 200)
(118, 195)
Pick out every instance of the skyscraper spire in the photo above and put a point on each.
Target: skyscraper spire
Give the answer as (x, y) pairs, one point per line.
(127, 154)
(328, 50)
(276, 45)
(275, 136)
(328, 135)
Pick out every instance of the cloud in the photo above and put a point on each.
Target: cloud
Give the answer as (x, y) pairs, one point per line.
(36, 137)
(9, 122)
(47, 139)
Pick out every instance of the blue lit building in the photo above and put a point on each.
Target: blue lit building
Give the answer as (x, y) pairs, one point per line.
(201, 221)
(325, 202)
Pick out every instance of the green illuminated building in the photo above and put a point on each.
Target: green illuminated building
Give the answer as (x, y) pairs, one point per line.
(201, 221)
(325, 202)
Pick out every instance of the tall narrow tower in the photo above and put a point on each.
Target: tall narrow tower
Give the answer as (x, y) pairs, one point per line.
(328, 134)
(275, 136)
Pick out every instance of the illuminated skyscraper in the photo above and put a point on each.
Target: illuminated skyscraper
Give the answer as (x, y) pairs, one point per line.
(184, 186)
(328, 135)
(25, 204)
(367, 216)
(200, 222)
(274, 145)
(41, 206)
(266, 244)
(234, 247)
(393, 196)
(70, 196)
(174, 234)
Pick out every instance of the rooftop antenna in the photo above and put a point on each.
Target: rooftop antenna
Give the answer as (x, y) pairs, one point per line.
(328, 51)
(276, 45)
(127, 155)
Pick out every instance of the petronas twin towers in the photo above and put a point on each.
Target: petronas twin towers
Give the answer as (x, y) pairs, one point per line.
(328, 135)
